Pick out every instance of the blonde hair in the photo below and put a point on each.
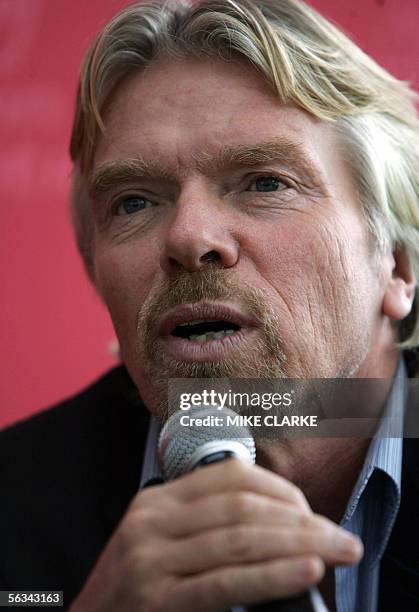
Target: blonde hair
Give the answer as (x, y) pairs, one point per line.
(307, 61)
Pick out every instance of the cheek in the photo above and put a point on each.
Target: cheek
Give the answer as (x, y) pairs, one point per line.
(310, 268)
(124, 277)
(290, 257)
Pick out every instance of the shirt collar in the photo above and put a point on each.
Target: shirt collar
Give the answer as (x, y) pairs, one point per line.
(384, 455)
(151, 467)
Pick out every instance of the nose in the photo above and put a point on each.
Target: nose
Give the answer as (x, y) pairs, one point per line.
(198, 233)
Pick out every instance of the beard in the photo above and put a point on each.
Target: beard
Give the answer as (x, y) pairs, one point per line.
(265, 358)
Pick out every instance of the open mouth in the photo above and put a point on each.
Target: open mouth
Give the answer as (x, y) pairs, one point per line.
(205, 330)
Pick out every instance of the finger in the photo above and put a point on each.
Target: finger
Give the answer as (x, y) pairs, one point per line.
(226, 509)
(228, 476)
(246, 585)
(251, 544)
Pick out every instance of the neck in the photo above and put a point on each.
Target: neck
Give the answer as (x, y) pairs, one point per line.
(325, 469)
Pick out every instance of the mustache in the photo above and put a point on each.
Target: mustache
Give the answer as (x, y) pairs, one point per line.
(266, 359)
(211, 284)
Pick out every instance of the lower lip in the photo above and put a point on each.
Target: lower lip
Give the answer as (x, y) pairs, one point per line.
(212, 350)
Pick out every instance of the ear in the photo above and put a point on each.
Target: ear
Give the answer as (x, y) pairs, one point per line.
(400, 291)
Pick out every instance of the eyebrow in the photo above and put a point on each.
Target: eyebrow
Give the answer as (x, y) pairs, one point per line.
(281, 150)
(121, 171)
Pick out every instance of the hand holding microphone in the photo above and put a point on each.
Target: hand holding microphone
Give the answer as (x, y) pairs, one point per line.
(184, 450)
(228, 534)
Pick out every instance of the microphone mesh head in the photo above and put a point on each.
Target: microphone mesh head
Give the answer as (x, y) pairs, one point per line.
(178, 443)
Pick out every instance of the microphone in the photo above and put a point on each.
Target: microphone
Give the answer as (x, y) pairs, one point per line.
(185, 447)
(186, 444)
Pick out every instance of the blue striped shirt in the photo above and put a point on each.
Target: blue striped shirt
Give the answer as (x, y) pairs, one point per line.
(371, 510)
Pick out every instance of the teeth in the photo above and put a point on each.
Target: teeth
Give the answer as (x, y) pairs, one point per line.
(196, 338)
(210, 336)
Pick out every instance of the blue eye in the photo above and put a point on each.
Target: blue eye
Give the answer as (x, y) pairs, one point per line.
(266, 183)
(132, 204)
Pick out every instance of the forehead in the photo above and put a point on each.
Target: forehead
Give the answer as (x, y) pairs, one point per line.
(176, 112)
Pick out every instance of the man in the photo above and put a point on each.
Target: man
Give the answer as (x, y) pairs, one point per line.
(243, 167)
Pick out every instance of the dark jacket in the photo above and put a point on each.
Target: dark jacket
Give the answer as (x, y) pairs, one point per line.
(67, 476)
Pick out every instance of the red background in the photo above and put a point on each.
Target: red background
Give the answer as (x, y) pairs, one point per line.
(55, 332)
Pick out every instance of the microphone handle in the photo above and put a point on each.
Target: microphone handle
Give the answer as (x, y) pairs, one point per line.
(310, 601)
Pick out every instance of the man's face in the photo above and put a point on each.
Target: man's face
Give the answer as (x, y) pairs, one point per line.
(228, 240)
